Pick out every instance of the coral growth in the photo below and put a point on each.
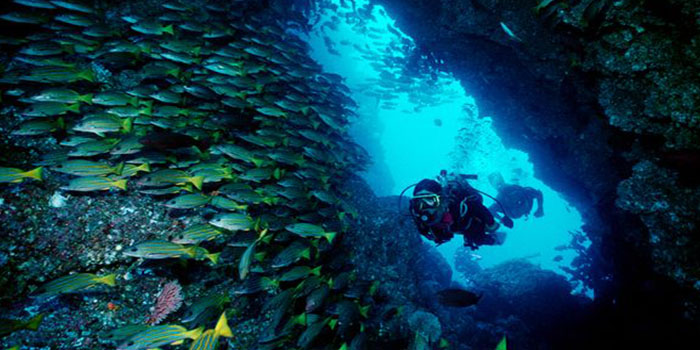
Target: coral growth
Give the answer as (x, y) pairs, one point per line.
(169, 300)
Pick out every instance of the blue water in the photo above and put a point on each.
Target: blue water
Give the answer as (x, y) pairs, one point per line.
(413, 128)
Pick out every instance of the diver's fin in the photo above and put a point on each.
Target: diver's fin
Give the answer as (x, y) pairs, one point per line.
(496, 180)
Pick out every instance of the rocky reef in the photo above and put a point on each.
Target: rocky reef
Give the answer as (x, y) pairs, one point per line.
(582, 87)
(603, 96)
(534, 307)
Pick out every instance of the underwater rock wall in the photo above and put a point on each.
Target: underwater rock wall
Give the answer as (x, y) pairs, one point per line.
(533, 307)
(603, 95)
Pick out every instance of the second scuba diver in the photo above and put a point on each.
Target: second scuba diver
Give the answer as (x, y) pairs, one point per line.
(515, 201)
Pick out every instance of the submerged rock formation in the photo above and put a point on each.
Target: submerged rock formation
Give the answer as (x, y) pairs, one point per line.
(603, 95)
(534, 307)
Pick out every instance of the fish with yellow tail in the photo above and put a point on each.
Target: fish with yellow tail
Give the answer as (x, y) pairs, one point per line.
(13, 175)
(94, 183)
(8, 326)
(159, 249)
(210, 338)
(155, 336)
(74, 283)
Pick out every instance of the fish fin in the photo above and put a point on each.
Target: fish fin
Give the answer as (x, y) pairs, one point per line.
(191, 251)
(503, 344)
(300, 319)
(34, 174)
(260, 256)
(257, 162)
(256, 226)
(119, 168)
(222, 328)
(61, 123)
(34, 322)
(214, 258)
(195, 333)
(74, 107)
(266, 239)
(109, 280)
(316, 271)
(306, 253)
(121, 184)
(197, 181)
(87, 98)
(144, 167)
(179, 342)
(87, 74)
(196, 50)
(332, 324)
(134, 101)
(174, 72)
(127, 124)
(364, 310)
(147, 103)
(148, 110)
(330, 236)
(169, 29)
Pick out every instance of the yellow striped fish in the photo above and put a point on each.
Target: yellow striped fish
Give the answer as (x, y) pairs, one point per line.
(171, 176)
(197, 233)
(81, 167)
(103, 123)
(210, 339)
(94, 183)
(74, 283)
(159, 249)
(17, 175)
(156, 336)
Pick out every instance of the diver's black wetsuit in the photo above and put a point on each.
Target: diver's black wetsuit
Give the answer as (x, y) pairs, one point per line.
(466, 215)
(518, 201)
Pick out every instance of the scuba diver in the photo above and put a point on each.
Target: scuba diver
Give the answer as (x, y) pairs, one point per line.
(517, 201)
(450, 205)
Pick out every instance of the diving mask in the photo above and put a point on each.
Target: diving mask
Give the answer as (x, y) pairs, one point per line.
(425, 201)
(425, 206)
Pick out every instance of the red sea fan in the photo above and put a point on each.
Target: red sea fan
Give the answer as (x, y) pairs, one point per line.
(169, 300)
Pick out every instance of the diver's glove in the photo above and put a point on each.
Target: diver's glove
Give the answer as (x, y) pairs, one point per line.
(508, 222)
